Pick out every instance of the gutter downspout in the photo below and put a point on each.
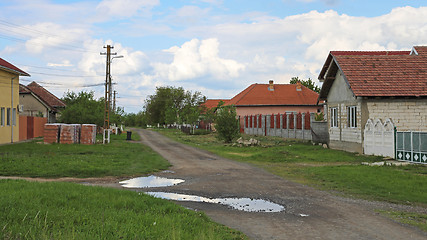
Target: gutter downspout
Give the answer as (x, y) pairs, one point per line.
(11, 110)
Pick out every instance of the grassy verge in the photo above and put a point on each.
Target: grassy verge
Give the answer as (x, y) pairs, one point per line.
(31, 210)
(119, 158)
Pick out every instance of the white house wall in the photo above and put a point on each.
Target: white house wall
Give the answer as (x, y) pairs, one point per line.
(341, 97)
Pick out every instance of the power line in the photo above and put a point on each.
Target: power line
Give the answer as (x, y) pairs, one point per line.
(10, 27)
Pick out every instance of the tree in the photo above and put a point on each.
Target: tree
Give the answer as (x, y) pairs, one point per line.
(170, 104)
(308, 83)
(84, 108)
(227, 124)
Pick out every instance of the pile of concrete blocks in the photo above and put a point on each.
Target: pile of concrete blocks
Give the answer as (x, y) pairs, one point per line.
(88, 134)
(70, 133)
(51, 132)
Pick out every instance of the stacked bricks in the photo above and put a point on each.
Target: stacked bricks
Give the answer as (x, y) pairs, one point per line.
(51, 132)
(88, 134)
(69, 134)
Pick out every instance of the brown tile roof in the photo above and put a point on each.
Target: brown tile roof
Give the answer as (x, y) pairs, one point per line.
(5, 65)
(395, 74)
(283, 94)
(213, 103)
(51, 100)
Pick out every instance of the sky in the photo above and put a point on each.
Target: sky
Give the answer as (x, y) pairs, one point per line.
(216, 47)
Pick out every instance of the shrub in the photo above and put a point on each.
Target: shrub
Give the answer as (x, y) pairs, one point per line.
(227, 124)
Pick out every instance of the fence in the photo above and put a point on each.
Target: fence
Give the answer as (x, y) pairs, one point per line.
(31, 127)
(411, 146)
(287, 125)
(379, 138)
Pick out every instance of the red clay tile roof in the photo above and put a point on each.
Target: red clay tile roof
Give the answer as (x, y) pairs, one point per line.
(50, 99)
(5, 65)
(283, 94)
(395, 74)
(421, 50)
(213, 103)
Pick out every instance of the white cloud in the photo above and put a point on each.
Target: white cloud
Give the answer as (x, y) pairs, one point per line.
(65, 63)
(196, 59)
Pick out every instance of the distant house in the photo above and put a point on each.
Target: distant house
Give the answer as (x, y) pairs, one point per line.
(373, 92)
(213, 103)
(267, 99)
(37, 101)
(9, 101)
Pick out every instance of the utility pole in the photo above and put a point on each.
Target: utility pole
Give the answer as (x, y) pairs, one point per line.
(114, 101)
(107, 87)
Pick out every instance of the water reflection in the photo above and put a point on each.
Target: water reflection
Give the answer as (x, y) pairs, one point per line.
(150, 181)
(242, 204)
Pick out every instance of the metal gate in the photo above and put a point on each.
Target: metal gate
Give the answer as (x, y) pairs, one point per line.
(411, 146)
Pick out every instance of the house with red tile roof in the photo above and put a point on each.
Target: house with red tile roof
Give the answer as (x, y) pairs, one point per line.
(213, 103)
(9, 101)
(267, 99)
(362, 87)
(37, 101)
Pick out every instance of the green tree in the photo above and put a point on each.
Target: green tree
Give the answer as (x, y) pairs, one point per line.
(227, 124)
(83, 108)
(170, 104)
(308, 83)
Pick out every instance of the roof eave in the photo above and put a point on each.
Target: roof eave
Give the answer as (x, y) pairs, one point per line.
(20, 73)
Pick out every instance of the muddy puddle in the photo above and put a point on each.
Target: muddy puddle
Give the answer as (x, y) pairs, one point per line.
(150, 181)
(242, 204)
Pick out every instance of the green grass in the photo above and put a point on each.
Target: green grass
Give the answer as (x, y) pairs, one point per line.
(31, 210)
(415, 219)
(119, 158)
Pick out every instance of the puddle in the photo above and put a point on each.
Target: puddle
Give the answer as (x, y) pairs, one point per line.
(149, 182)
(168, 171)
(303, 215)
(242, 204)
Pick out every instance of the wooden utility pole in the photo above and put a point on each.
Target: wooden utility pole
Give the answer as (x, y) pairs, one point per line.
(107, 87)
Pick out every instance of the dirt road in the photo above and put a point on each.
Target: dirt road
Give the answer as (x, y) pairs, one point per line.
(329, 217)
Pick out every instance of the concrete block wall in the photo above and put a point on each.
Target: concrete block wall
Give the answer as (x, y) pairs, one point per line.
(406, 114)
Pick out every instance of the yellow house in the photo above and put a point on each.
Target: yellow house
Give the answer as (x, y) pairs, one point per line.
(9, 101)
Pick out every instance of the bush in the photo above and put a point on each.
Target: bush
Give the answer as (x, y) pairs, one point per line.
(227, 124)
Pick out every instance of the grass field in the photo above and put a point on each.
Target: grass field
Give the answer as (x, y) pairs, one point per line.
(323, 168)
(119, 158)
(55, 210)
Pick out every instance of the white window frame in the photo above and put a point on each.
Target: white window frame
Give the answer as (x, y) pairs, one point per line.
(2, 116)
(334, 117)
(352, 116)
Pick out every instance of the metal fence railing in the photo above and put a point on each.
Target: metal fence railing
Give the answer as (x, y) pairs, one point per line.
(411, 146)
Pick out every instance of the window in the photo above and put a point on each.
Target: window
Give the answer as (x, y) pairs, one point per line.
(8, 117)
(2, 116)
(334, 117)
(14, 116)
(351, 116)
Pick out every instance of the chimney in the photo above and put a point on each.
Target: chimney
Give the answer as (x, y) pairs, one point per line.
(271, 85)
(299, 86)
